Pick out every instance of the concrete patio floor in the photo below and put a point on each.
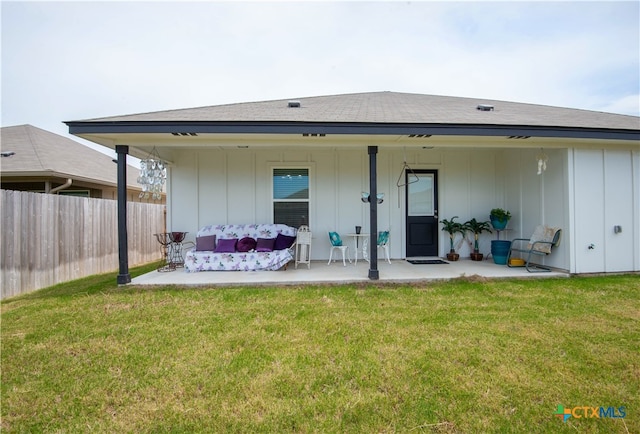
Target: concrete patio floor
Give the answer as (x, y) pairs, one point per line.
(399, 271)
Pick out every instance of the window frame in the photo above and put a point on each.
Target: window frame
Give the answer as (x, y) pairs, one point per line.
(310, 167)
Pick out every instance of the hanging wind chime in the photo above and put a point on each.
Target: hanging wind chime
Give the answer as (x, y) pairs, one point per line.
(542, 159)
(153, 174)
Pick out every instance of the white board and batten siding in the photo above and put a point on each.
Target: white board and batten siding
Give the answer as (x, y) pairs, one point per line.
(606, 187)
(233, 186)
(538, 199)
(584, 192)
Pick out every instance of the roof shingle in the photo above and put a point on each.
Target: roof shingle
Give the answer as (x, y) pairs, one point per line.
(40, 152)
(390, 108)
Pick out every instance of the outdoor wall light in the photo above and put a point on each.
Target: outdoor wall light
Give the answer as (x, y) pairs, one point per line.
(366, 197)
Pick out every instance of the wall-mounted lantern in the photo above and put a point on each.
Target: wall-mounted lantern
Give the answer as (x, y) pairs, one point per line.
(366, 197)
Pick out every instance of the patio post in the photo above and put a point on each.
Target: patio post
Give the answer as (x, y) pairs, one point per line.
(123, 255)
(373, 213)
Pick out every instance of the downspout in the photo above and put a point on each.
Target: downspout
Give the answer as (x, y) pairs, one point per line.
(373, 213)
(61, 187)
(123, 245)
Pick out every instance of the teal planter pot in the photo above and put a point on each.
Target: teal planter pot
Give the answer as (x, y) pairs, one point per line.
(497, 224)
(500, 251)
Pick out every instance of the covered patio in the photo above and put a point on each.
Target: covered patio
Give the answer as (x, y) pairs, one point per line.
(313, 161)
(399, 271)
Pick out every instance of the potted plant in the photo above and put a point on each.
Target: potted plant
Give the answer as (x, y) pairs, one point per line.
(452, 228)
(476, 228)
(499, 248)
(499, 218)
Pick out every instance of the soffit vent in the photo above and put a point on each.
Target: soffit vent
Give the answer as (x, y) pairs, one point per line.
(485, 107)
(184, 134)
(293, 104)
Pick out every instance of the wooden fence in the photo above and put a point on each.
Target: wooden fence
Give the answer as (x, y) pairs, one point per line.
(48, 239)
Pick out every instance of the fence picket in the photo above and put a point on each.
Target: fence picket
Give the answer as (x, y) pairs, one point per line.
(48, 239)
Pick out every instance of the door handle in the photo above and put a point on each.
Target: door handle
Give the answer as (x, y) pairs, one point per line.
(435, 213)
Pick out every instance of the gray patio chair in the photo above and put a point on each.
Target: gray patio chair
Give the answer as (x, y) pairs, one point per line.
(544, 238)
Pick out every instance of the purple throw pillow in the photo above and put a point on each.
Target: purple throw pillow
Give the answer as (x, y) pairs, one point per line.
(206, 243)
(283, 242)
(226, 245)
(265, 244)
(246, 244)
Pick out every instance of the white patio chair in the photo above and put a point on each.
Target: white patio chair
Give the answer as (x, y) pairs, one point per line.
(336, 243)
(303, 246)
(382, 243)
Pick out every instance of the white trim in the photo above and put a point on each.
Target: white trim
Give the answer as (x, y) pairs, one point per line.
(572, 208)
(311, 167)
(635, 180)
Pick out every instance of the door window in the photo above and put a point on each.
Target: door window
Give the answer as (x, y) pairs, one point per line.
(421, 201)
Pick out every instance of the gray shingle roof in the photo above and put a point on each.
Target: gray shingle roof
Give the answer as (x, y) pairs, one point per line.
(42, 153)
(391, 108)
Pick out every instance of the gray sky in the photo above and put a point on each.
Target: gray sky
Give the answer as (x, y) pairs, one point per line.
(77, 60)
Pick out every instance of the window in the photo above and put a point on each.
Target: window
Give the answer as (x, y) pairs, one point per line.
(81, 193)
(291, 196)
(421, 196)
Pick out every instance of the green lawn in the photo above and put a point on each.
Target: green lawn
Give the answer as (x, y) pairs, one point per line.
(468, 356)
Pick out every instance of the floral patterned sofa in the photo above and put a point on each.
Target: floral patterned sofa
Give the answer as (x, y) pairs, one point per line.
(249, 247)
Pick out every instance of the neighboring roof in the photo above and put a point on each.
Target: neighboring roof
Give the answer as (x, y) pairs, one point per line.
(42, 153)
(368, 113)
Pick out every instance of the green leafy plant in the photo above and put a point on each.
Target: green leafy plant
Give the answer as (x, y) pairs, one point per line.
(452, 228)
(476, 228)
(500, 215)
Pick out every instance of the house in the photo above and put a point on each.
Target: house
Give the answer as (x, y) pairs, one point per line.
(311, 160)
(41, 161)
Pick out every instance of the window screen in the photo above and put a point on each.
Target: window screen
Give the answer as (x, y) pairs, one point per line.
(291, 196)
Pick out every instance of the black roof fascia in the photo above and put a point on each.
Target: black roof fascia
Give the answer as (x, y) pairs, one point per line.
(207, 127)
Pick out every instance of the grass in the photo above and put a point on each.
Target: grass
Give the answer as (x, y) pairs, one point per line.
(457, 357)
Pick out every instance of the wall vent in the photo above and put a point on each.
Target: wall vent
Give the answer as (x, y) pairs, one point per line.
(420, 136)
(293, 104)
(184, 134)
(519, 137)
(485, 107)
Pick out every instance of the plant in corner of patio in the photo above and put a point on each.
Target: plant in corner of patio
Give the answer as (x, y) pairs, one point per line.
(499, 218)
(476, 228)
(452, 228)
